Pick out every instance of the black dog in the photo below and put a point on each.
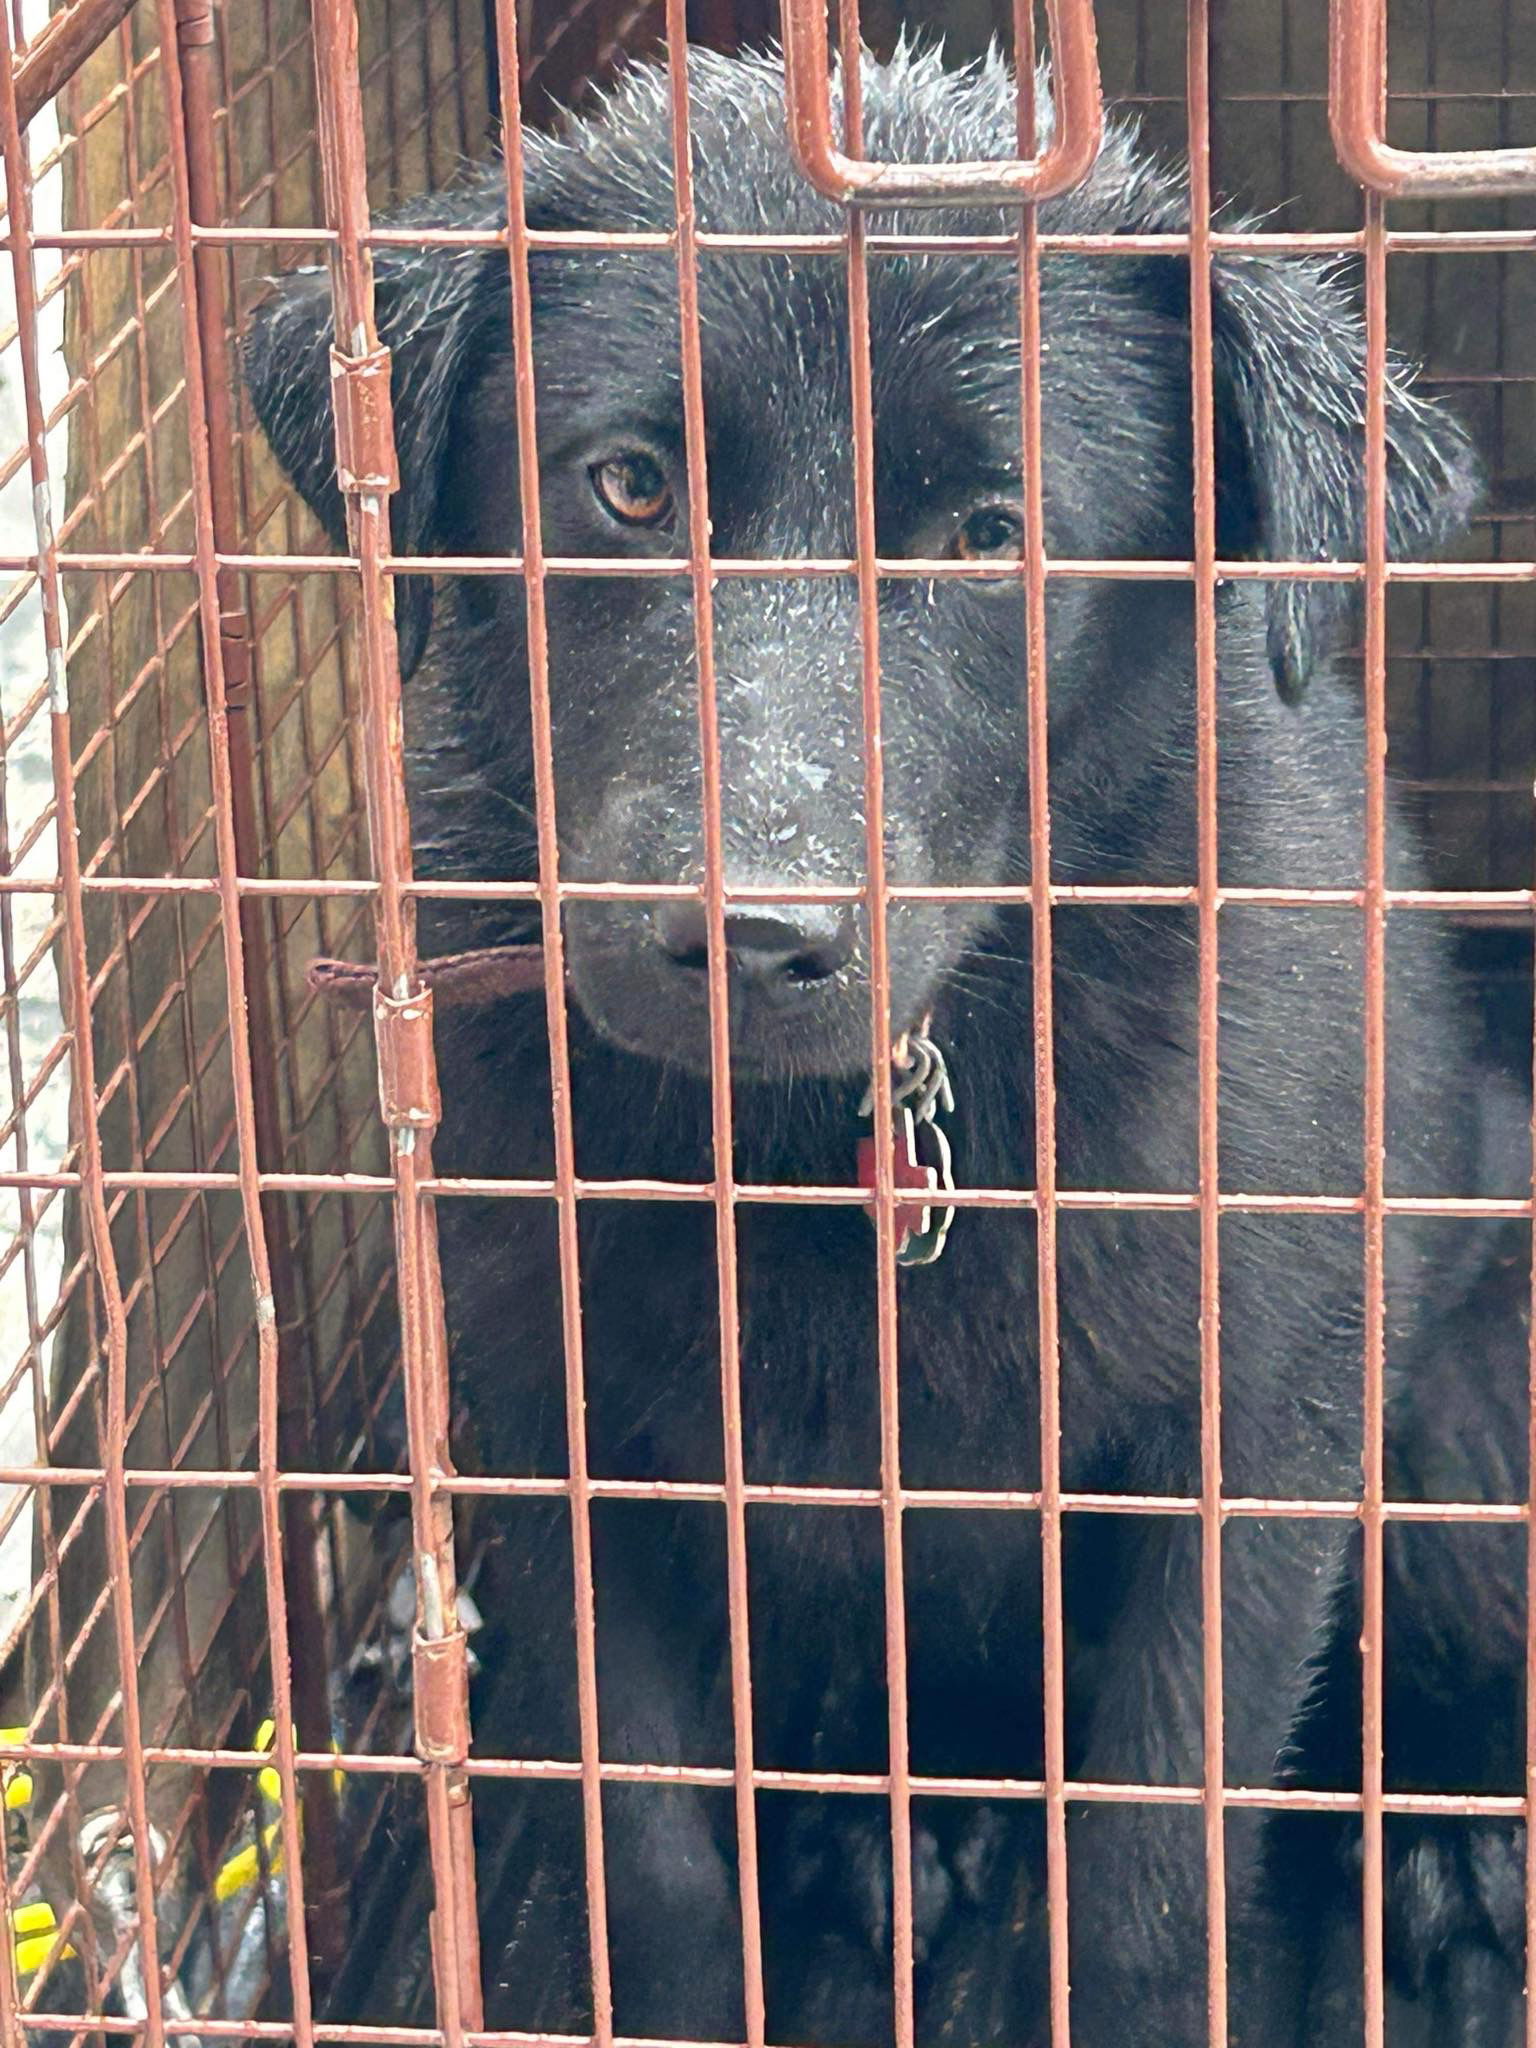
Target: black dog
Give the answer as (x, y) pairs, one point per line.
(1118, 482)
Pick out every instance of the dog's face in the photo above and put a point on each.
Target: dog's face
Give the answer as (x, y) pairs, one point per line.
(788, 654)
(787, 649)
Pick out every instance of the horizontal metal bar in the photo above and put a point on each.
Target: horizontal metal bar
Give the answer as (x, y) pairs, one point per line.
(1107, 895)
(938, 569)
(967, 1500)
(1250, 241)
(1469, 1208)
(862, 1784)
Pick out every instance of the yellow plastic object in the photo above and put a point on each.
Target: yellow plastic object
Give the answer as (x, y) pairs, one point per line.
(35, 1931)
(269, 1781)
(244, 1867)
(17, 1778)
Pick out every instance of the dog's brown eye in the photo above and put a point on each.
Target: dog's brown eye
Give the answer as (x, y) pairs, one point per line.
(994, 530)
(634, 488)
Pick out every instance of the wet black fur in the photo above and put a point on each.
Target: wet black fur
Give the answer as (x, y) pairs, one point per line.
(1117, 480)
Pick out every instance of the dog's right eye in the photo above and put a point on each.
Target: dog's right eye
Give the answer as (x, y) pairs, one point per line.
(633, 488)
(992, 531)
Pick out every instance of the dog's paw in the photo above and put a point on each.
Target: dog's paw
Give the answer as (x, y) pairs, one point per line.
(1456, 1934)
(386, 1649)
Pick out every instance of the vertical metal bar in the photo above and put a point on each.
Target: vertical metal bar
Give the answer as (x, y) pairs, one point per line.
(352, 807)
(1053, 1618)
(441, 1666)
(559, 1048)
(1530, 1632)
(202, 1144)
(1201, 350)
(243, 1085)
(167, 1512)
(881, 1025)
(1499, 749)
(12, 2033)
(1433, 217)
(1373, 1458)
(1506, 24)
(77, 1010)
(1496, 600)
(696, 446)
(129, 1026)
(195, 57)
(1375, 913)
(85, 1939)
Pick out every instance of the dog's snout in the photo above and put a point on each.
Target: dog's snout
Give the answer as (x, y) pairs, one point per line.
(768, 943)
(791, 942)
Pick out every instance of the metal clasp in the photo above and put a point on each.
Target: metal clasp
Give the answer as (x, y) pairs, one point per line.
(922, 1158)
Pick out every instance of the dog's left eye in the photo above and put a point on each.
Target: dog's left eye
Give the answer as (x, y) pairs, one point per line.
(633, 487)
(991, 531)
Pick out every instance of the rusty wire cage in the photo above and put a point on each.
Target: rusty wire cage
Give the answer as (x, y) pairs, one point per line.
(211, 1228)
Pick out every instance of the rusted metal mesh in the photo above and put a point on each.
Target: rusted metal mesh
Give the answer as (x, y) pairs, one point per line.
(241, 1235)
(1463, 76)
(1461, 714)
(115, 395)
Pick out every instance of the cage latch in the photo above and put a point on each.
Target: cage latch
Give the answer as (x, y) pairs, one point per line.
(235, 653)
(408, 1092)
(365, 435)
(440, 1689)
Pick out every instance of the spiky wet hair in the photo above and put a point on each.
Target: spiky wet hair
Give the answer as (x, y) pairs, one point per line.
(1289, 343)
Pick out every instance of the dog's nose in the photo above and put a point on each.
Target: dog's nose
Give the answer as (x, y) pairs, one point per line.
(774, 942)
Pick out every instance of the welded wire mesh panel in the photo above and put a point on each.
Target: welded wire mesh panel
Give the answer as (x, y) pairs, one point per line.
(1460, 705)
(585, 1779)
(108, 397)
(291, 1243)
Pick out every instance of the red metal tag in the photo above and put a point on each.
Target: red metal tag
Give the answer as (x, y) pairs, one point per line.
(913, 1219)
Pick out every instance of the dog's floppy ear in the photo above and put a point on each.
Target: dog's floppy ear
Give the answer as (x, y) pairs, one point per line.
(429, 305)
(1290, 404)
